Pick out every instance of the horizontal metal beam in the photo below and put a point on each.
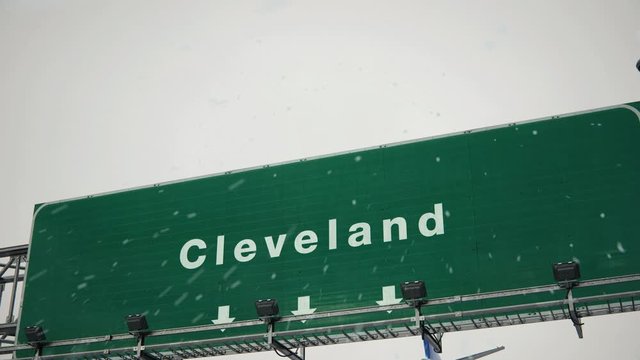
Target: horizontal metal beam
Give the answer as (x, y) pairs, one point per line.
(14, 250)
(8, 329)
(5, 280)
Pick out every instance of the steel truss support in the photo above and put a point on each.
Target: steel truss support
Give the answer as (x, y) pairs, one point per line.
(279, 347)
(12, 272)
(354, 332)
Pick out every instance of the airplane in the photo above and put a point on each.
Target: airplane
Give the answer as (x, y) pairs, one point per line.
(432, 355)
(482, 354)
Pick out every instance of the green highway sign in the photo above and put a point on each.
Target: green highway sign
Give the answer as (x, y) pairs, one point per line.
(472, 213)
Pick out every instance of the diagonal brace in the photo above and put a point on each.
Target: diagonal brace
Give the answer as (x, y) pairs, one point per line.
(433, 338)
(573, 314)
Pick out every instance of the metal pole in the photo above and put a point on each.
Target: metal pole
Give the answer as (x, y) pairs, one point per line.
(13, 290)
(139, 347)
(270, 329)
(1, 292)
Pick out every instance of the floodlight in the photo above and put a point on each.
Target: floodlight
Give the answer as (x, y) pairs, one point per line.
(566, 274)
(267, 308)
(137, 323)
(413, 291)
(34, 334)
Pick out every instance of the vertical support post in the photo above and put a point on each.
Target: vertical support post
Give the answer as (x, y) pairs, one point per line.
(270, 328)
(279, 347)
(140, 346)
(1, 292)
(419, 324)
(13, 289)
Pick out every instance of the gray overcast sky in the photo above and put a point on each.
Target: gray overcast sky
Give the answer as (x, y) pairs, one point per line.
(102, 95)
